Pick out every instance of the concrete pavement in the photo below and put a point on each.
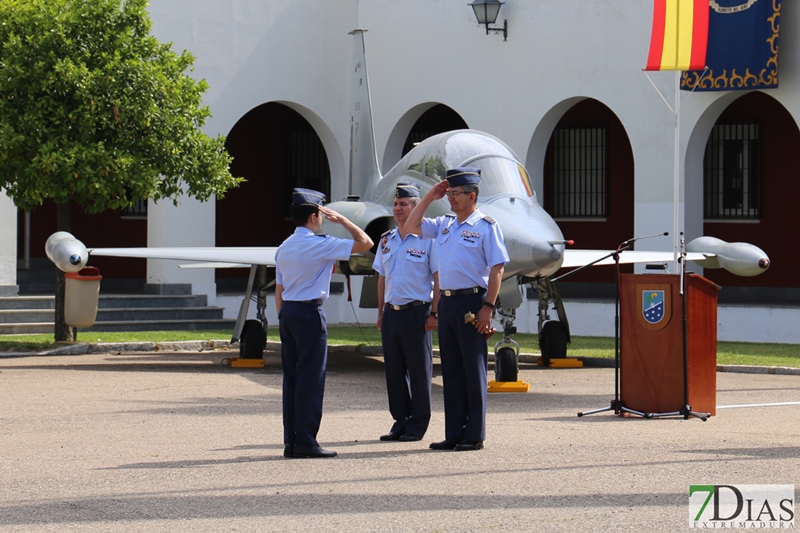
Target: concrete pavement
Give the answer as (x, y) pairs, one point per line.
(145, 441)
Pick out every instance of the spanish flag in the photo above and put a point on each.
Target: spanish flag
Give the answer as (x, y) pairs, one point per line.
(680, 35)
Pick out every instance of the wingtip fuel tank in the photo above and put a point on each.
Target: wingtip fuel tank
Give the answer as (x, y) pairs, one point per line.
(740, 258)
(68, 253)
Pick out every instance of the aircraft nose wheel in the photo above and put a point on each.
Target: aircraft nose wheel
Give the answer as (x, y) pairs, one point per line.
(506, 363)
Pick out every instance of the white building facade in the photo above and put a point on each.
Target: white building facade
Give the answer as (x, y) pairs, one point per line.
(297, 55)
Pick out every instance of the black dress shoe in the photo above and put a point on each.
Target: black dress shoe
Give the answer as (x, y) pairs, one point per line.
(446, 444)
(392, 435)
(311, 452)
(410, 438)
(469, 445)
(288, 451)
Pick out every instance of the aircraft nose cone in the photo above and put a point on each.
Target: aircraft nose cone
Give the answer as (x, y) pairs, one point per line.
(543, 252)
(75, 259)
(763, 263)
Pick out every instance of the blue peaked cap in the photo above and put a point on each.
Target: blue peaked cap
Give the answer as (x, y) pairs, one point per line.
(456, 177)
(307, 196)
(407, 189)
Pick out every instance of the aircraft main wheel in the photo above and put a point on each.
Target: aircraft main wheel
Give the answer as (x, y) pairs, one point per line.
(253, 340)
(506, 364)
(553, 341)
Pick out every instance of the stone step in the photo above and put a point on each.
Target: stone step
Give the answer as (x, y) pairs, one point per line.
(27, 302)
(151, 314)
(144, 325)
(109, 301)
(35, 314)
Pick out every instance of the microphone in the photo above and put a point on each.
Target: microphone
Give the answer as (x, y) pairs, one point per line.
(631, 241)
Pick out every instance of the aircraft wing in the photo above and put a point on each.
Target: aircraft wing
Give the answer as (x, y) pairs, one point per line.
(216, 265)
(577, 258)
(229, 257)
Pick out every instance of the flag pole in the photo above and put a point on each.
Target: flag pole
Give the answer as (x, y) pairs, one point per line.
(676, 172)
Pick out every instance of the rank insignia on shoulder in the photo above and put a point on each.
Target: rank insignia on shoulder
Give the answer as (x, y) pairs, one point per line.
(451, 215)
(489, 219)
(386, 233)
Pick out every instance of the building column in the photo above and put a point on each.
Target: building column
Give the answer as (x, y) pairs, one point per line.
(192, 223)
(8, 246)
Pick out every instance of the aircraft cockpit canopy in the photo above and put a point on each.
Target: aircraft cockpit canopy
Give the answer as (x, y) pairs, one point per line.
(501, 171)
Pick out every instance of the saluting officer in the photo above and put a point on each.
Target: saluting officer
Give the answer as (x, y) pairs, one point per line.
(304, 265)
(472, 256)
(407, 286)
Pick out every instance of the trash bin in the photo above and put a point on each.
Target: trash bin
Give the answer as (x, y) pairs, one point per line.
(81, 297)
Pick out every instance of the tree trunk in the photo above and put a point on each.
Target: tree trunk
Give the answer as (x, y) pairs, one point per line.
(62, 331)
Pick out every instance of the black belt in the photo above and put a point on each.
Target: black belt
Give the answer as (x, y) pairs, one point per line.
(458, 292)
(415, 303)
(318, 301)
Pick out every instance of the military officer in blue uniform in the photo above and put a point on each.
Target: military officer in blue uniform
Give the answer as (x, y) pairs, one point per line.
(407, 308)
(304, 265)
(472, 257)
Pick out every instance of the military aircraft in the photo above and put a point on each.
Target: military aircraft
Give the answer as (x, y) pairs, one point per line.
(536, 246)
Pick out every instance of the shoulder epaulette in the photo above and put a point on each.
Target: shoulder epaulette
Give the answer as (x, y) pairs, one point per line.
(385, 233)
(489, 219)
(451, 215)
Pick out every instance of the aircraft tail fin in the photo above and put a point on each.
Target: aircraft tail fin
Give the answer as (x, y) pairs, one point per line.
(364, 169)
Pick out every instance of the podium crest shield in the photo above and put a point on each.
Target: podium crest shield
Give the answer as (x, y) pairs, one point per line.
(654, 305)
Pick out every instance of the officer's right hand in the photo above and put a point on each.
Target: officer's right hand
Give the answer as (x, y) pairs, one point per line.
(378, 323)
(331, 215)
(439, 190)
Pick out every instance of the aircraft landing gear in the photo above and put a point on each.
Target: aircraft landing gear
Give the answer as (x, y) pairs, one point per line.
(253, 340)
(553, 341)
(252, 334)
(506, 357)
(553, 334)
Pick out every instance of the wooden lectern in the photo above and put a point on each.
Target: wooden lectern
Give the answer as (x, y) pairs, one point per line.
(651, 343)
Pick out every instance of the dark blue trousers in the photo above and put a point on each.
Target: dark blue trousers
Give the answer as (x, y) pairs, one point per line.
(304, 356)
(465, 359)
(408, 359)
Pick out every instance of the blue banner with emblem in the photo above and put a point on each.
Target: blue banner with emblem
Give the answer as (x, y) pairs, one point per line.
(742, 47)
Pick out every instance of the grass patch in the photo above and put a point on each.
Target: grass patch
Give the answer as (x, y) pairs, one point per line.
(728, 353)
(44, 341)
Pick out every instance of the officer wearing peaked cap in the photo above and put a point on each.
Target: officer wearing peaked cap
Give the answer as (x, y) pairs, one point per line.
(472, 256)
(303, 267)
(407, 310)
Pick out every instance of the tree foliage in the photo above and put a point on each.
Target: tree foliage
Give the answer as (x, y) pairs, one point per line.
(95, 110)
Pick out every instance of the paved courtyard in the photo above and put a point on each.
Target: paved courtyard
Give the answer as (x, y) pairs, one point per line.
(178, 442)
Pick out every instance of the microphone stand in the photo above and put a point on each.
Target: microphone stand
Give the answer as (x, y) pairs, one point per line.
(686, 410)
(616, 403)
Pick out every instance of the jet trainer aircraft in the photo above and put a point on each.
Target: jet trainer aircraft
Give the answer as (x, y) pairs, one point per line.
(536, 246)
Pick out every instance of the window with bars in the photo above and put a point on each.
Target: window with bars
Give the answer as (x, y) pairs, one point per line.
(137, 210)
(579, 164)
(732, 172)
(306, 165)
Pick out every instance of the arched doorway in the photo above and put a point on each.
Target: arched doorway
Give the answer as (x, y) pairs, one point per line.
(275, 149)
(588, 183)
(437, 119)
(749, 191)
(416, 125)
